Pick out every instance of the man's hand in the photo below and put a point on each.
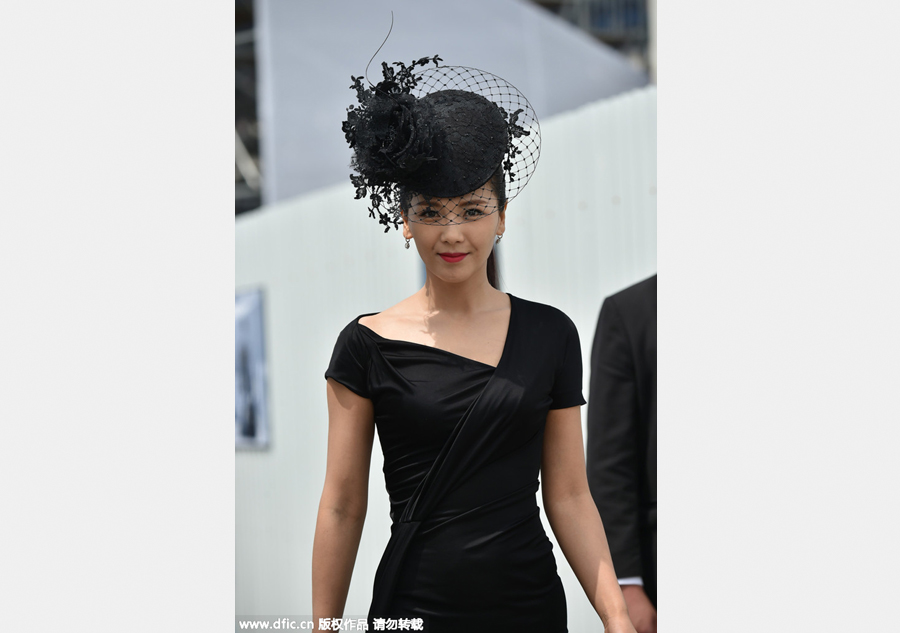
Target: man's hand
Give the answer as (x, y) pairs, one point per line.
(640, 609)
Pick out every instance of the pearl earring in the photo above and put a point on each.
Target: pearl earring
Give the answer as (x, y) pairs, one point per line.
(407, 242)
(498, 238)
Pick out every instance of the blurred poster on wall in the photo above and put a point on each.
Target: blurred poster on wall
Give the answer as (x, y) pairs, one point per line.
(251, 411)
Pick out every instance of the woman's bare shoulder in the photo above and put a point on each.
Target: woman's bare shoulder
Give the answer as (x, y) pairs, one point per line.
(394, 322)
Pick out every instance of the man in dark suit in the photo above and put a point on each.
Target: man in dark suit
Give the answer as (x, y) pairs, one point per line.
(621, 442)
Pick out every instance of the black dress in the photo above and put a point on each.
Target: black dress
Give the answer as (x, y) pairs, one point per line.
(462, 445)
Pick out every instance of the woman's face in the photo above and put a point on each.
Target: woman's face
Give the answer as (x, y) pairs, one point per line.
(455, 236)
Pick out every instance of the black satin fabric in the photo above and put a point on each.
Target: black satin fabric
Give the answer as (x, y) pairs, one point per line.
(462, 445)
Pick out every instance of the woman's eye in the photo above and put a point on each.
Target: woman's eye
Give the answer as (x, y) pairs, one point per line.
(474, 213)
(428, 213)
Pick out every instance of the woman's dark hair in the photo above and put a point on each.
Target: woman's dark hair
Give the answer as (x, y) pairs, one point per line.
(498, 183)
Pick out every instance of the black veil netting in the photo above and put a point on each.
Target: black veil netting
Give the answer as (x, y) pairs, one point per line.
(442, 132)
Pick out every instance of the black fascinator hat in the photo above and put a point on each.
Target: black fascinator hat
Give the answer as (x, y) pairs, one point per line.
(441, 132)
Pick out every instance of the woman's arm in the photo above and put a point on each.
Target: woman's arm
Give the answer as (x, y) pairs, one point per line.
(342, 510)
(575, 520)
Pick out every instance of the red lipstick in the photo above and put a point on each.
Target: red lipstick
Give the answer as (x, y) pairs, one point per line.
(452, 257)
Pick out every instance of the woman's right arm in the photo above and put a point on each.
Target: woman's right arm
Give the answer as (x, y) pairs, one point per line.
(342, 509)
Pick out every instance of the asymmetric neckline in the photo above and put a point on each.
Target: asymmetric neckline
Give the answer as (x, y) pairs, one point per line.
(509, 329)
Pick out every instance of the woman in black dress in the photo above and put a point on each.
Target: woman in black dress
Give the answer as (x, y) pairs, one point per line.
(474, 392)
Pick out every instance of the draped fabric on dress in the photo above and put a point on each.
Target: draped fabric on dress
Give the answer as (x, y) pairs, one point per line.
(462, 445)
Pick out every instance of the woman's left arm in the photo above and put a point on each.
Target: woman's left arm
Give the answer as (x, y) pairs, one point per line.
(575, 520)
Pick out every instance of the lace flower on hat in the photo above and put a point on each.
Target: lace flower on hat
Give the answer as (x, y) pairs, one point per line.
(390, 139)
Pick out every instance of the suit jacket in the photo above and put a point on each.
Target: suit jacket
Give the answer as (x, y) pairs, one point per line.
(621, 442)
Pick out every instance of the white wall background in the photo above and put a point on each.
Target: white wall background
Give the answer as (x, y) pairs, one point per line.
(583, 228)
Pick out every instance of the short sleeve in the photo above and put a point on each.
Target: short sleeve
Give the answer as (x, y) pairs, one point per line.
(567, 388)
(350, 361)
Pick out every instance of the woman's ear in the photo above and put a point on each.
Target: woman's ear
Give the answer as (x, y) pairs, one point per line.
(502, 213)
(407, 233)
